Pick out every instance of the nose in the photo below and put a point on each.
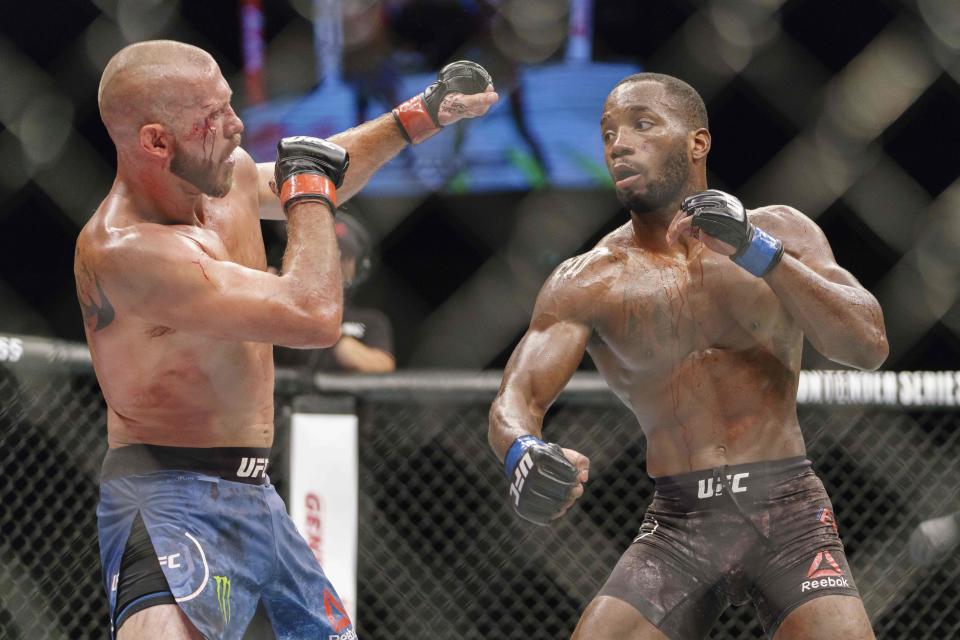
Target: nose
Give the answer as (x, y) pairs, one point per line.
(234, 125)
(619, 146)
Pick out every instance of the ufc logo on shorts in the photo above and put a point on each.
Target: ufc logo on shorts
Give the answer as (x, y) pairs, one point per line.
(706, 488)
(520, 476)
(253, 467)
(170, 561)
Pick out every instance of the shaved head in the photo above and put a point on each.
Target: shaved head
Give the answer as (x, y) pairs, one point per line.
(685, 98)
(167, 108)
(150, 82)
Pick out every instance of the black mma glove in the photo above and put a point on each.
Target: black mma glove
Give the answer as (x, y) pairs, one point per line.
(418, 117)
(309, 169)
(723, 217)
(540, 477)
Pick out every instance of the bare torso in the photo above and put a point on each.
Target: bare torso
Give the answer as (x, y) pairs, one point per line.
(170, 387)
(702, 352)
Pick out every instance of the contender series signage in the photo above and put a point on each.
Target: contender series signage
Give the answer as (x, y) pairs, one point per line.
(894, 388)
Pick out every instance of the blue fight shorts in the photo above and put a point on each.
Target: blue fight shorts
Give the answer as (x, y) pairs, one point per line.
(205, 529)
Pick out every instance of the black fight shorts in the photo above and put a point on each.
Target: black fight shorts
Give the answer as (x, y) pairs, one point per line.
(762, 532)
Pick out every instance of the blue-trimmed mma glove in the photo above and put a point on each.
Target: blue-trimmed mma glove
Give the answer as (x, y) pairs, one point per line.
(419, 117)
(540, 478)
(723, 217)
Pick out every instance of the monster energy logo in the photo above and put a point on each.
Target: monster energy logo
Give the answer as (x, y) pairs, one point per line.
(223, 596)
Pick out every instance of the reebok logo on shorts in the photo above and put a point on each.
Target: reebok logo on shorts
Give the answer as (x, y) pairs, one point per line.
(824, 572)
(337, 615)
(824, 565)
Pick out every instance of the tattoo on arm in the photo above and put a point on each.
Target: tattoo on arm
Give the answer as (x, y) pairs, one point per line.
(97, 310)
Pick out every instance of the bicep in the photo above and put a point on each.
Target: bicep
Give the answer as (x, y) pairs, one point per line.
(553, 346)
(807, 243)
(545, 360)
(187, 290)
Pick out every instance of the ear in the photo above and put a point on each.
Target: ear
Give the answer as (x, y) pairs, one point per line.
(699, 144)
(156, 141)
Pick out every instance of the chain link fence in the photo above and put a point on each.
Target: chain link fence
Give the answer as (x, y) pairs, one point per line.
(443, 556)
(440, 552)
(52, 439)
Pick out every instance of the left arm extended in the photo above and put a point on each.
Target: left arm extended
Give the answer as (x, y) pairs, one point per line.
(370, 145)
(842, 320)
(463, 90)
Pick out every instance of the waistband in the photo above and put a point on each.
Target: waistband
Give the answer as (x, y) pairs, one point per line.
(239, 464)
(744, 483)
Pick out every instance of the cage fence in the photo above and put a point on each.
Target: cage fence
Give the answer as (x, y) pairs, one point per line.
(441, 553)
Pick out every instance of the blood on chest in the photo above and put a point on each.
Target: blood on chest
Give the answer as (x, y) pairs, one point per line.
(659, 316)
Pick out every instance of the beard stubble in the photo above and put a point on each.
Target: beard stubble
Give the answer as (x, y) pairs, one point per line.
(663, 190)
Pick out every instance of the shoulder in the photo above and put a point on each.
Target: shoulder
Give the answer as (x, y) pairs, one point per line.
(109, 260)
(620, 239)
(140, 248)
(573, 289)
(781, 217)
(598, 267)
(791, 225)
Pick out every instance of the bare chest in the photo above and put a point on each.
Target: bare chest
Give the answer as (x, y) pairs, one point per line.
(660, 311)
(231, 234)
(177, 359)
